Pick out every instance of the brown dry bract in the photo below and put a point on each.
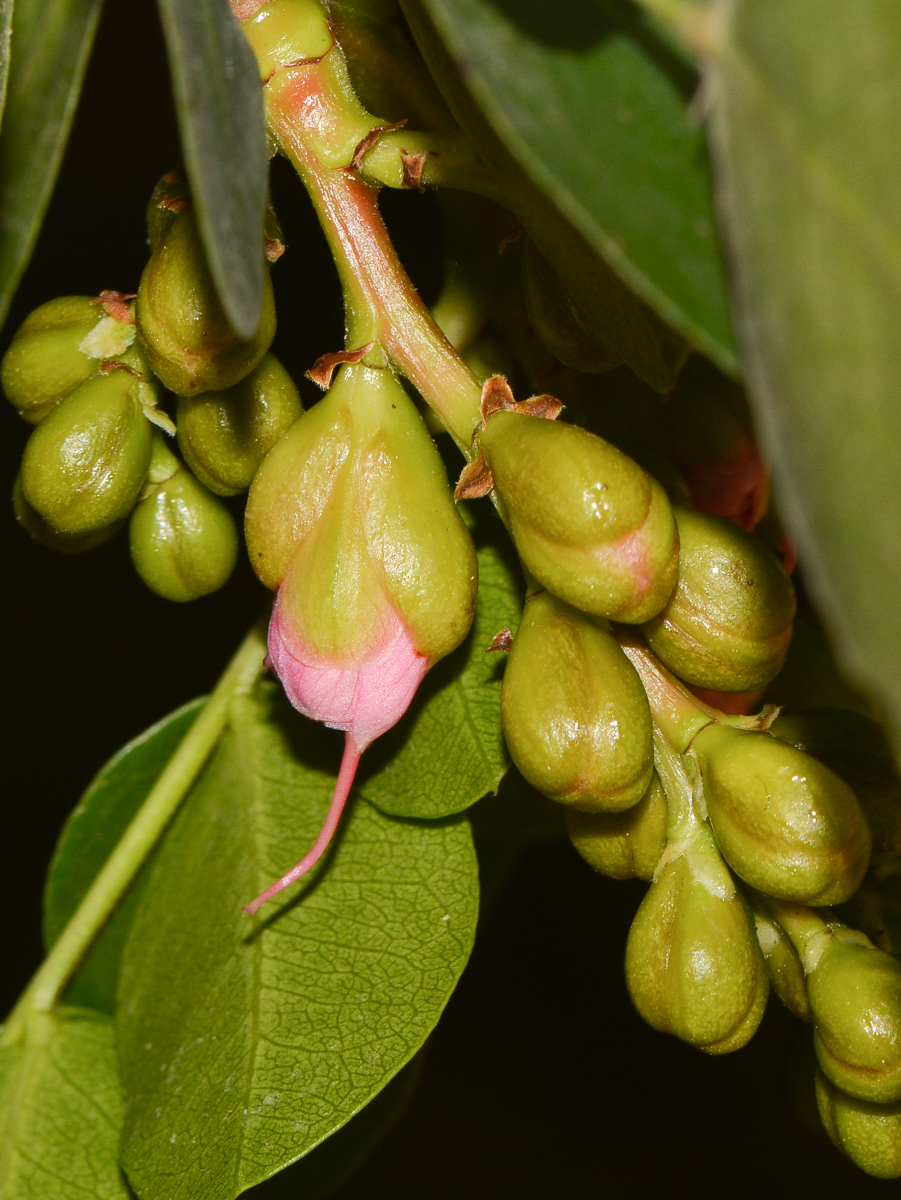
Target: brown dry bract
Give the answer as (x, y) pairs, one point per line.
(274, 249)
(245, 9)
(413, 165)
(116, 305)
(366, 143)
(475, 480)
(497, 396)
(323, 368)
(112, 364)
(502, 641)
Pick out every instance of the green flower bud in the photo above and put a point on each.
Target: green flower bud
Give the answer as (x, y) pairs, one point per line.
(356, 487)
(181, 323)
(35, 525)
(57, 348)
(783, 964)
(183, 540)
(623, 845)
(728, 624)
(857, 750)
(576, 718)
(869, 1134)
(588, 523)
(855, 997)
(693, 965)
(785, 823)
(224, 436)
(85, 464)
(561, 328)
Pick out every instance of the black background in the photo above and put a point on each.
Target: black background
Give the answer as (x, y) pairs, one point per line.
(540, 1081)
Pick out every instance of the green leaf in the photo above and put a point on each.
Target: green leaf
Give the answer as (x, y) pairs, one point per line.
(60, 1110)
(808, 154)
(219, 100)
(593, 103)
(339, 1157)
(255, 1041)
(90, 834)
(49, 53)
(6, 24)
(448, 751)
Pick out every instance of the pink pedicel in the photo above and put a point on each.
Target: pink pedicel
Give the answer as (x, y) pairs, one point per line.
(363, 700)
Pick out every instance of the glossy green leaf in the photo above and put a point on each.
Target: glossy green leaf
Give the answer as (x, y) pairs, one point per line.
(807, 146)
(90, 834)
(49, 53)
(60, 1110)
(219, 100)
(448, 751)
(243, 1044)
(594, 104)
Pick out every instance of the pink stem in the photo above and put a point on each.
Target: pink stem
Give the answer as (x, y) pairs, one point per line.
(349, 764)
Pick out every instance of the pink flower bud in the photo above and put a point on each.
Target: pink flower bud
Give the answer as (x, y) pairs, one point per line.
(364, 699)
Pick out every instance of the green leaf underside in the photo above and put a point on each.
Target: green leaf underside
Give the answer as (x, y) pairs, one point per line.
(219, 101)
(448, 751)
(49, 52)
(807, 146)
(243, 1044)
(594, 105)
(91, 833)
(60, 1109)
(338, 1158)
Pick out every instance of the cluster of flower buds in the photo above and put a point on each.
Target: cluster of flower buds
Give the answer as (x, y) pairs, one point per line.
(649, 630)
(656, 616)
(90, 373)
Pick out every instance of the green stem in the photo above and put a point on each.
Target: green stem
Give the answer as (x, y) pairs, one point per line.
(678, 714)
(382, 303)
(447, 161)
(682, 820)
(139, 839)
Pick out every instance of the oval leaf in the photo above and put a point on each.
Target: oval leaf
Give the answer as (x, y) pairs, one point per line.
(219, 100)
(255, 1042)
(449, 751)
(90, 834)
(593, 103)
(808, 152)
(60, 1110)
(48, 56)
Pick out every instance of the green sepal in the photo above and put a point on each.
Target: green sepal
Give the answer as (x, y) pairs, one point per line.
(183, 540)
(693, 965)
(869, 1134)
(57, 347)
(181, 322)
(623, 845)
(785, 823)
(224, 436)
(588, 522)
(729, 621)
(857, 750)
(576, 718)
(85, 464)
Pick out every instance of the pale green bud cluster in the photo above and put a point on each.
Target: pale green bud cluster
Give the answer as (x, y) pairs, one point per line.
(89, 374)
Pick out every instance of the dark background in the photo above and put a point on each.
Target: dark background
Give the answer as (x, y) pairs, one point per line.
(541, 1081)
